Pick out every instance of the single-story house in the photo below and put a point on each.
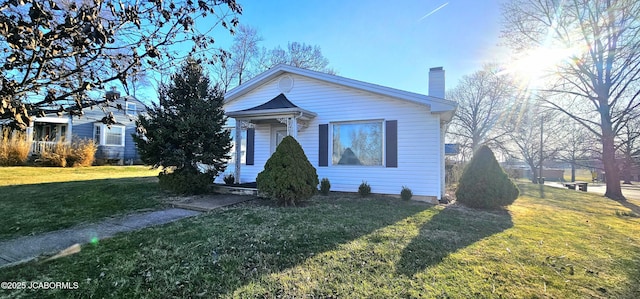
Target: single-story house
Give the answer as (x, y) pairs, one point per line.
(115, 144)
(351, 131)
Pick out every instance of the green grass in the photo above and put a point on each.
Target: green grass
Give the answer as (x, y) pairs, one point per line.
(39, 199)
(556, 243)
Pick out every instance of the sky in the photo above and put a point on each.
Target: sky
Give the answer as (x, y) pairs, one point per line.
(389, 43)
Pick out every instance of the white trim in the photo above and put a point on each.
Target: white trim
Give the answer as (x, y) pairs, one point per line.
(103, 134)
(126, 108)
(271, 113)
(52, 120)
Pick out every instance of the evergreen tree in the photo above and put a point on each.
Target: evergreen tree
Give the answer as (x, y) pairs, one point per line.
(288, 176)
(186, 129)
(484, 184)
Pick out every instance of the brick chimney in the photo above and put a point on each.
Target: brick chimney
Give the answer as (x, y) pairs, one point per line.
(112, 94)
(436, 82)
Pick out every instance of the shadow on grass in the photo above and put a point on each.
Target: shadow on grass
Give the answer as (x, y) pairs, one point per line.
(36, 208)
(634, 208)
(541, 190)
(631, 288)
(452, 229)
(220, 252)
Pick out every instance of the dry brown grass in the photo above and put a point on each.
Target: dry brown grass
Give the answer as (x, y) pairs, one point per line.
(84, 152)
(80, 153)
(14, 148)
(56, 155)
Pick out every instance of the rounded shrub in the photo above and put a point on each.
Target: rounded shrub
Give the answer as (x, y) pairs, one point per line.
(364, 189)
(229, 179)
(288, 176)
(406, 193)
(325, 186)
(484, 184)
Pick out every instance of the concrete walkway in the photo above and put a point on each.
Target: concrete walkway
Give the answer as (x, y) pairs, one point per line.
(26, 248)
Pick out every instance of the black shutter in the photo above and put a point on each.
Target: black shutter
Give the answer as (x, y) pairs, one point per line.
(323, 149)
(392, 143)
(251, 136)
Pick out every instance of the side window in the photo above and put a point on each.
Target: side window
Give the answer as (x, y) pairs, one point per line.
(131, 109)
(96, 134)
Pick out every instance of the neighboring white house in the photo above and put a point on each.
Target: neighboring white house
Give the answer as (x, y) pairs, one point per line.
(351, 131)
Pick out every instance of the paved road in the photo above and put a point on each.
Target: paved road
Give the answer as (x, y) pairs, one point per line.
(629, 191)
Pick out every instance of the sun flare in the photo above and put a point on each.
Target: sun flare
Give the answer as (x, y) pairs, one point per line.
(533, 67)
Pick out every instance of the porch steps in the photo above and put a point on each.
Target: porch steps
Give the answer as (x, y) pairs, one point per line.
(235, 190)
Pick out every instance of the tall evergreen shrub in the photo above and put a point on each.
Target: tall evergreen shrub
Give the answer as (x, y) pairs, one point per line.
(288, 176)
(185, 131)
(484, 184)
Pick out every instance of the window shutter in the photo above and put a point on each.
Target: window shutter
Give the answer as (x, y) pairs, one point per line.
(251, 136)
(323, 149)
(391, 143)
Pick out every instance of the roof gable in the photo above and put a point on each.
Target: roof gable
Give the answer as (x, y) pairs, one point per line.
(279, 102)
(436, 105)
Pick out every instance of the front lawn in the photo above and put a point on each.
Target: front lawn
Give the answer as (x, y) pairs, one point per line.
(557, 244)
(39, 199)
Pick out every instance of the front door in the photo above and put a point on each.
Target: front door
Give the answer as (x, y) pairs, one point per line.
(277, 134)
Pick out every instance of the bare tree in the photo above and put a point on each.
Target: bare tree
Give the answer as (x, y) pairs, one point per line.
(300, 55)
(576, 144)
(629, 148)
(482, 98)
(600, 40)
(224, 74)
(244, 50)
(246, 59)
(55, 52)
(533, 131)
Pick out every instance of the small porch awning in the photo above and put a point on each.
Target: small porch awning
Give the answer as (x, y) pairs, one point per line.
(52, 120)
(276, 108)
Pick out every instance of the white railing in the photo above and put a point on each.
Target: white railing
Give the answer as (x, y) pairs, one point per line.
(38, 147)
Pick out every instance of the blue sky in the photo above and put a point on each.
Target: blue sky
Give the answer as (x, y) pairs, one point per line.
(390, 43)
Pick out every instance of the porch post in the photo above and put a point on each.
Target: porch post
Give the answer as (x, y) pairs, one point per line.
(294, 128)
(29, 137)
(238, 147)
(69, 129)
(443, 160)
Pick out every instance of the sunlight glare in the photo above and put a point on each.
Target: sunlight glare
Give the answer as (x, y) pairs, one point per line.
(532, 67)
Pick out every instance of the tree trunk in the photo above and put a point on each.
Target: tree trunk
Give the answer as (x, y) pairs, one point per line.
(626, 169)
(534, 174)
(612, 173)
(573, 171)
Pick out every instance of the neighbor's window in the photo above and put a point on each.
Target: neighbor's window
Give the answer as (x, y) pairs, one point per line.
(357, 143)
(131, 109)
(105, 135)
(114, 135)
(243, 147)
(97, 136)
